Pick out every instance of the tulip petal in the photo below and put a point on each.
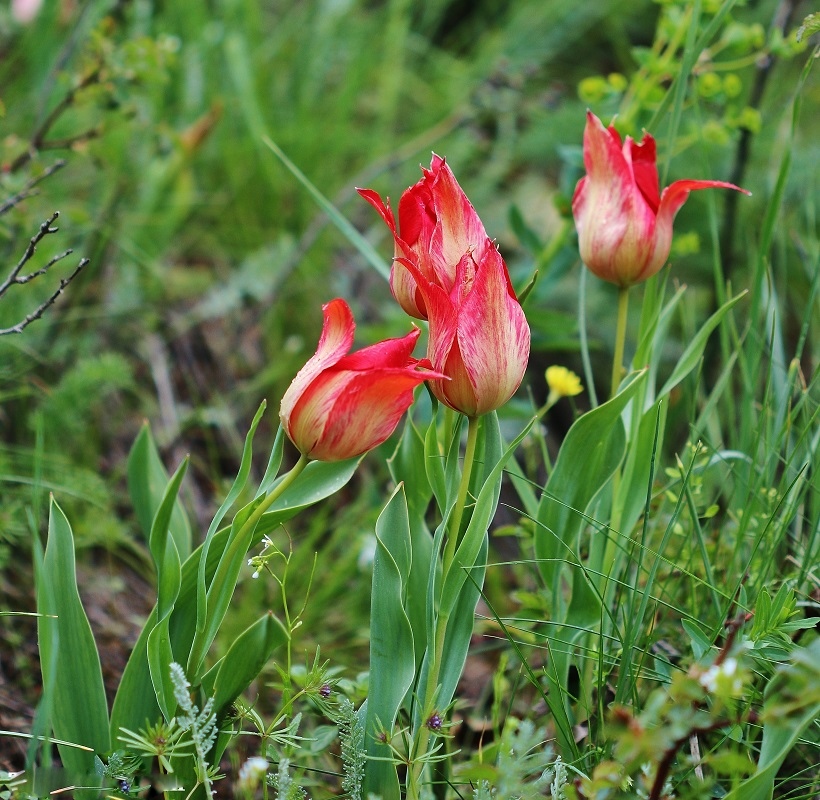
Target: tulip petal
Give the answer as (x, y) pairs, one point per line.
(386, 354)
(493, 335)
(458, 230)
(336, 340)
(383, 208)
(402, 284)
(442, 315)
(604, 159)
(366, 409)
(672, 200)
(645, 170)
(417, 217)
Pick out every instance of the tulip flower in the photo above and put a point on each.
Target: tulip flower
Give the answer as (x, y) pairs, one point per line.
(437, 226)
(624, 224)
(479, 337)
(341, 405)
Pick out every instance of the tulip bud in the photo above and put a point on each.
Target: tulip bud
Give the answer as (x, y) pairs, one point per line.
(340, 406)
(437, 226)
(479, 337)
(624, 224)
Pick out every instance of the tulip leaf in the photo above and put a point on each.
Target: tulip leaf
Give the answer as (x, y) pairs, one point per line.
(147, 480)
(135, 702)
(460, 628)
(434, 464)
(694, 350)
(68, 654)
(637, 470)
(230, 499)
(163, 547)
(407, 466)
(392, 661)
(472, 543)
(592, 450)
(166, 559)
(220, 588)
(160, 657)
(274, 463)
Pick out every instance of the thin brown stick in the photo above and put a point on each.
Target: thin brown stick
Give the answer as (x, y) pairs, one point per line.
(40, 310)
(44, 230)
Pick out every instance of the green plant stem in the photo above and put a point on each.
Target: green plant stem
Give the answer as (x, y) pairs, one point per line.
(454, 531)
(254, 518)
(275, 493)
(620, 338)
(199, 645)
(422, 737)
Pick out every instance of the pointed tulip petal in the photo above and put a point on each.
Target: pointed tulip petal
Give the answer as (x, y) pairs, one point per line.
(459, 229)
(338, 330)
(645, 170)
(366, 412)
(386, 354)
(493, 335)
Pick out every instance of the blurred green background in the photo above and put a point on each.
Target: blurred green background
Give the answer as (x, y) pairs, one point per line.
(209, 261)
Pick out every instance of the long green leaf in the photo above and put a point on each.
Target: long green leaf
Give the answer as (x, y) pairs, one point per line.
(472, 542)
(336, 217)
(407, 466)
(392, 660)
(590, 453)
(233, 494)
(694, 350)
(79, 711)
(147, 480)
(243, 662)
(166, 559)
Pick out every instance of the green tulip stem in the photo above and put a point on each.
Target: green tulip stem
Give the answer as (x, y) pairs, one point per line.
(454, 531)
(617, 370)
(275, 493)
(453, 539)
(620, 338)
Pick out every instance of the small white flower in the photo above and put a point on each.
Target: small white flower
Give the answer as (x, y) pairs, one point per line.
(723, 678)
(252, 772)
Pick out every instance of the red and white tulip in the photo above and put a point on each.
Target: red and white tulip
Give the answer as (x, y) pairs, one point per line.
(343, 404)
(624, 224)
(479, 337)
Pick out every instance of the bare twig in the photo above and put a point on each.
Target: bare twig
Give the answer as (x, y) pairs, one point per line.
(38, 312)
(29, 189)
(14, 278)
(45, 230)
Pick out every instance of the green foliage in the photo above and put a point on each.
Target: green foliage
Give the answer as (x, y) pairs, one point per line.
(659, 577)
(75, 707)
(153, 681)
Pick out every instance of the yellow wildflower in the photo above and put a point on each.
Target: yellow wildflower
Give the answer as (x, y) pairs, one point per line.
(563, 382)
